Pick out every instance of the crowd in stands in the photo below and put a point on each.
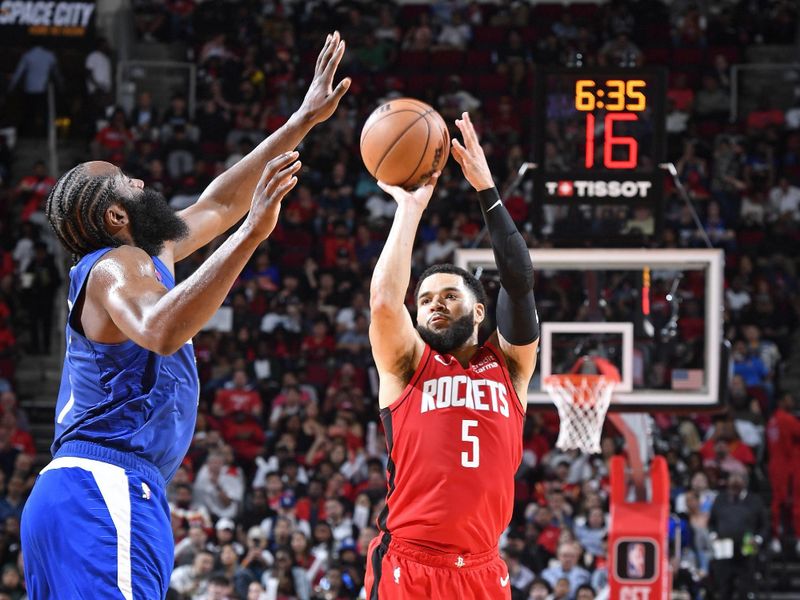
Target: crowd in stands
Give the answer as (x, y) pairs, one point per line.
(279, 493)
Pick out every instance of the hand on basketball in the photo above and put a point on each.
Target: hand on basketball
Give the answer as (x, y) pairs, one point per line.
(471, 157)
(417, 198)
(321, 99)
(276, 181)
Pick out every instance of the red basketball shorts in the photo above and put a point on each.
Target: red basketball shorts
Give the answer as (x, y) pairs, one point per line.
(401, 571)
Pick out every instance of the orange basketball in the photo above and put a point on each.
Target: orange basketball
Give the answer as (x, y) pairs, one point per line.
(404, 142)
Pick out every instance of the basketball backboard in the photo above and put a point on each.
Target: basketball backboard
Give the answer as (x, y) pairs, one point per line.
(656, 314)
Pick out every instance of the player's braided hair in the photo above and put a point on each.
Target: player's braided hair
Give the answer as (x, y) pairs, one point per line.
(75, 208)
(472, 282)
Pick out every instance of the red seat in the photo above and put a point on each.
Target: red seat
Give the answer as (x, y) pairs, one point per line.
(688, 57)
(478, 60)
(550, 11)
(584, 12)
(658, 55)
(447, 60)
(732, 53)
(419, 83)
(750, 238)
(409, 13)
(413, 60)
(492, 84)
(489, 36)
(709, 129)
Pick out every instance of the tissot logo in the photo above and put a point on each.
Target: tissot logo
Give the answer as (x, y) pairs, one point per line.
(599, 189)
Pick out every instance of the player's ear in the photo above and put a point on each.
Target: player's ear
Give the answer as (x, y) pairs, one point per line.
(115, 218)
(479, 312)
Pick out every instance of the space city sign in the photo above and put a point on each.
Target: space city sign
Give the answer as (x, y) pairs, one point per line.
(26, 19)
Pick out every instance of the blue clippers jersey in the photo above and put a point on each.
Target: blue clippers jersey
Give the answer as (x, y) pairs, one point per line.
(124, 396)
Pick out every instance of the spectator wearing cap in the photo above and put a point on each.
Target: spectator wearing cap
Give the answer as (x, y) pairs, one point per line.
(567, 567)
(226, 535)
(353, 566)
(287, 509)
(257, 559)
(192, 580)
(218, 486)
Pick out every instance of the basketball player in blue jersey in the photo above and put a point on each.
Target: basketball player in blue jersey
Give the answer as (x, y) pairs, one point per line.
(97, 523)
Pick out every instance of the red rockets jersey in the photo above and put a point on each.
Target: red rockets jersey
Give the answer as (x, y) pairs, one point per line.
(455, 441)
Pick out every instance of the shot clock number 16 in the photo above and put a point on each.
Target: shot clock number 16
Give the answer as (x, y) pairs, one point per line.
(614, 96)
(599, 135)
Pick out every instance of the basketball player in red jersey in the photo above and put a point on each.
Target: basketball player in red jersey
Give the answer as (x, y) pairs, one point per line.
(452, 409)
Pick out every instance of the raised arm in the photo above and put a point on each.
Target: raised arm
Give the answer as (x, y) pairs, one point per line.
(228, 197)
(517, 321)
(396, 345)
(124, 300)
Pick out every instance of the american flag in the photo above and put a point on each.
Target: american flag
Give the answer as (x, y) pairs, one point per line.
(687, 379)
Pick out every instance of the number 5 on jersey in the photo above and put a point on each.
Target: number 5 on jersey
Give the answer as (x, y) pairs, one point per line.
(472, 458)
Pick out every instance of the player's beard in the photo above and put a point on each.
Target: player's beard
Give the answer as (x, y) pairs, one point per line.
(152, 221)
(451, 337)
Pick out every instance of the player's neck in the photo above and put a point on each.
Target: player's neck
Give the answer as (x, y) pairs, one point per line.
(464, 353)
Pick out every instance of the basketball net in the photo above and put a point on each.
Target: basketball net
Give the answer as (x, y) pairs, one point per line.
(582, 401)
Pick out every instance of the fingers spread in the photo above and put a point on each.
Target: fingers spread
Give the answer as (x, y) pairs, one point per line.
(274, 166)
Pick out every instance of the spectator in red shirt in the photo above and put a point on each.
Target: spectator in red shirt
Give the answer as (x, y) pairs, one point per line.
(316, 349)
(113, 142)
(238, 396)
(32, 190)
(726, 432)
(340, 239)
(22, 440)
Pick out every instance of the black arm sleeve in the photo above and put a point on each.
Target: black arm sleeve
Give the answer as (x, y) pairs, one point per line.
(517, 320)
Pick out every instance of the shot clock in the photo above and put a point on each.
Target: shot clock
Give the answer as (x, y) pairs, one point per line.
(599, 140)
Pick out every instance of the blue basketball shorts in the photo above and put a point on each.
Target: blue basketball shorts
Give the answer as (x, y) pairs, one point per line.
(97, 526)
